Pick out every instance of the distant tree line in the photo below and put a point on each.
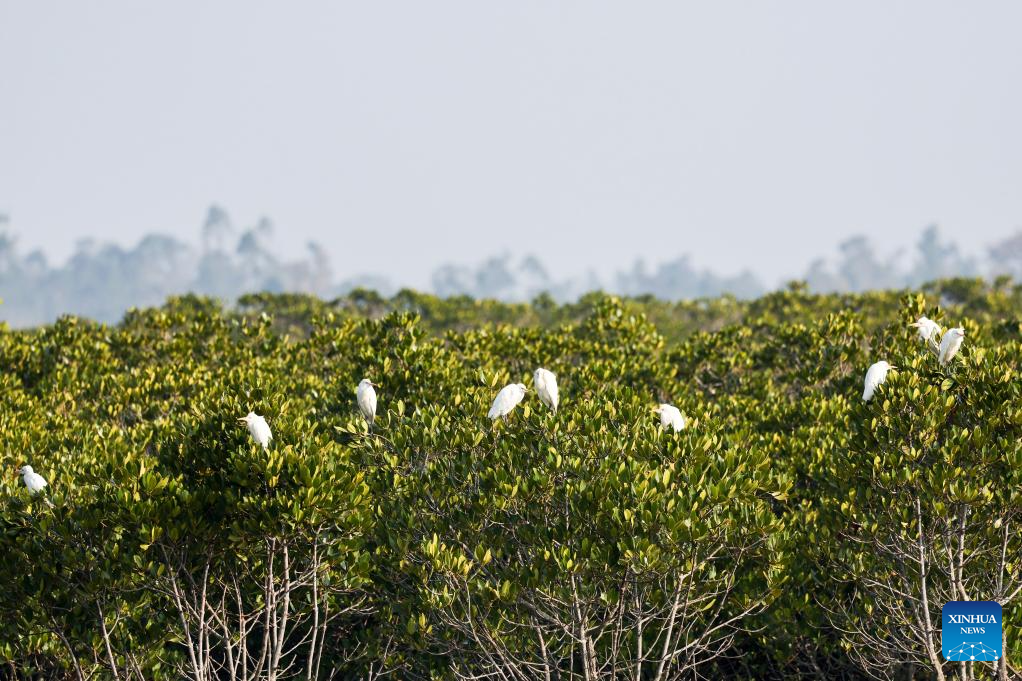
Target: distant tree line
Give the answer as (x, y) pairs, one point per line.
(102, 281)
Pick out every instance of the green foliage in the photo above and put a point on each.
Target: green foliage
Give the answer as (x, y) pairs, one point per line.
(776, 532)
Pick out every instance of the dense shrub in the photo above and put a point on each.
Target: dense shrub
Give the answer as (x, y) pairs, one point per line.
(790, 531)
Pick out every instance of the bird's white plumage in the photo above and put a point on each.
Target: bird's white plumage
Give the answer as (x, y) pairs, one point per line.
(33, 481)
(926, 328)
(366, 397)
(507, 399)
(546, 387)
(670, 417)
(950, 343)
(875, 376)
(258, 429)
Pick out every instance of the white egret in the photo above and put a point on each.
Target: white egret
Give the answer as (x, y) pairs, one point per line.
(546, 387)
(366, 397)
(926, 328)
(507, 399)
(34, 482)
(875, 377)
(950, 343)
(258, 429)
(670, 416)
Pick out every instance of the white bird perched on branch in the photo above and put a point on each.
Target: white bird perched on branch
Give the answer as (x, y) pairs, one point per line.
(366, 397)
(950, 343)
(34, 482)
(258, 429)
(546, 387)
(875, 377)
(670, 416)
(927, 329)
(507, 399)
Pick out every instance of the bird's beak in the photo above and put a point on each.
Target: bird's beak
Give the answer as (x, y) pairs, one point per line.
(242, 420)
(915, 324)
(894, 368)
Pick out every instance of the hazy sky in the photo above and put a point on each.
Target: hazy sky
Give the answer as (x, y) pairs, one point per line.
(403, 135)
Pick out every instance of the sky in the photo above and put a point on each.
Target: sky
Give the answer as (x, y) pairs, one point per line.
(403, 135)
